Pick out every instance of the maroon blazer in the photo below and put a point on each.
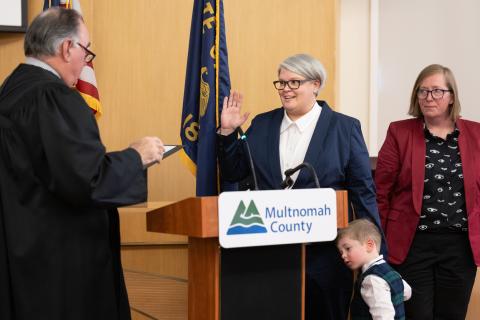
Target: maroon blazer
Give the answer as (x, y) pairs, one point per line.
(399, 179)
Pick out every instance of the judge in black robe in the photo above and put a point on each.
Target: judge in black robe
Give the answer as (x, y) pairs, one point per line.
(59, 189)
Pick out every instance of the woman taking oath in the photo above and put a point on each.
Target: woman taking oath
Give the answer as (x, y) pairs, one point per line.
(304, 130)
(428, 182)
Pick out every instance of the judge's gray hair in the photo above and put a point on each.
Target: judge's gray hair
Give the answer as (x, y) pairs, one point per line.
(49, 29)
(306, 66)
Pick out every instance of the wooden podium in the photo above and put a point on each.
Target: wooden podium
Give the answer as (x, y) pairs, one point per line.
(232, 284)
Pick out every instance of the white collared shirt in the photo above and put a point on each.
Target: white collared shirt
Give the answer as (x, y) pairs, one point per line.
(295, 138)
(39, 63)
(375, 292)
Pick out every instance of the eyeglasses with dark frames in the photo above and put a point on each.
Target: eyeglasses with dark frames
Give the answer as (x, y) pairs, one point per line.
(292, 84)
(89, 55)
(436, 93)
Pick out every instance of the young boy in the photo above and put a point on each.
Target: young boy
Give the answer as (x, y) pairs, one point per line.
(379, 290)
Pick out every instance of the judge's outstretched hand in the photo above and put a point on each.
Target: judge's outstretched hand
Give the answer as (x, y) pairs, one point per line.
(231, 117)
(150, 149)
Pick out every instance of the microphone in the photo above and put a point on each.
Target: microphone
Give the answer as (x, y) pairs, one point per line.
(288, 182)
(243, 137)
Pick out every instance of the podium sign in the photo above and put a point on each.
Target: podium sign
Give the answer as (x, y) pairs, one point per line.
(272, 217)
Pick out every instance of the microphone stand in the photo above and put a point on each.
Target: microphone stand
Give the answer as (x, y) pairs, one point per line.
(288, 182)
(243, 137)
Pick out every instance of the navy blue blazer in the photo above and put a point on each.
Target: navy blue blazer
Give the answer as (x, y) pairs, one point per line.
(337, 151)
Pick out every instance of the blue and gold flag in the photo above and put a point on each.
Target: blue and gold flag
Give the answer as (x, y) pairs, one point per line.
(207, 82)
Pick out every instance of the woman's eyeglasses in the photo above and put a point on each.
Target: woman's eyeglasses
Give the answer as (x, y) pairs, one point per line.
(292, 84)
(436, 93)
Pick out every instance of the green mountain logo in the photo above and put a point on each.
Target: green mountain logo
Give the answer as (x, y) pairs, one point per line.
(246, 220)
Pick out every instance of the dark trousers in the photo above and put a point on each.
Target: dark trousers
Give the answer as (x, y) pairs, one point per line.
(441, 271)
(328, 283)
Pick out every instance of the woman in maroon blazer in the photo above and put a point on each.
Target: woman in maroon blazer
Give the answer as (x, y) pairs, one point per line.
(428, 181)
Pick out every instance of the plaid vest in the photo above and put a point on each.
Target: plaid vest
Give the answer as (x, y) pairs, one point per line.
(359, 309)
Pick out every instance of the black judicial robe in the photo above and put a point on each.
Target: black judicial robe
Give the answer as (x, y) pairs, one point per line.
(59, 189)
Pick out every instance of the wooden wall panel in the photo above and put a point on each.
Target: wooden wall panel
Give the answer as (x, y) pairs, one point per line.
(142, 51)
(164, 260)
(261, 34)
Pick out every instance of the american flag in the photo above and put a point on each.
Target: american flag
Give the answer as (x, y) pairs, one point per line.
(87, 83)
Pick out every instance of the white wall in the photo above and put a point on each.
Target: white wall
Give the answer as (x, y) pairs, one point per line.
(411, 35)
(353, 66)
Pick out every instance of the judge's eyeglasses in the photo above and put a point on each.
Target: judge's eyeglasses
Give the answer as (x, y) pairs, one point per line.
(89, 55)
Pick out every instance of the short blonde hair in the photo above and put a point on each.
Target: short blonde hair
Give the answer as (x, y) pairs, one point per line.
(361, 230)
(431, 70)
(306, 66)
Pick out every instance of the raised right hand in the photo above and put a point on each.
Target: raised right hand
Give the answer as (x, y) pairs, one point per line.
(231, 117)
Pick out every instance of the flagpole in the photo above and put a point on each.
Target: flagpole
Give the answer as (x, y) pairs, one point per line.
(217, 59)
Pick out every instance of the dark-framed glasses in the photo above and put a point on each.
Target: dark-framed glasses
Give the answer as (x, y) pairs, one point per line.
(89, 55)
(436, 93)
(292, 84)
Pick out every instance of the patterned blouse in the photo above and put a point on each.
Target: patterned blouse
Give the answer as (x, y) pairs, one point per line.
(443, 206)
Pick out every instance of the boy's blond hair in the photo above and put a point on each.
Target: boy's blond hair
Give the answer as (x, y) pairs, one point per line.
(361, 230)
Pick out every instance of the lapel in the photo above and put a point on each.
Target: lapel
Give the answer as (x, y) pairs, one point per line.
(468, 160)
(273, 148)
(418, 164)
(316, 145)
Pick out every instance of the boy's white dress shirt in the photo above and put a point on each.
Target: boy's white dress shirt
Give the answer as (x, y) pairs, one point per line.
(375, 292)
